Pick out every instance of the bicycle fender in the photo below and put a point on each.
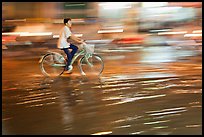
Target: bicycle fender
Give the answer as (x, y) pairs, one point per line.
(40, 59)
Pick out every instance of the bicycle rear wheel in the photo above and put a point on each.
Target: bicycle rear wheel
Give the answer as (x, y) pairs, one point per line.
(52, 64)
(94, 65)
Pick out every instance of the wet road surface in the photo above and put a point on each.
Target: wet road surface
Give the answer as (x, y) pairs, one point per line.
(143, 90)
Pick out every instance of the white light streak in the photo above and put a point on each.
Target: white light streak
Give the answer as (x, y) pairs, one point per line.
(55, 36)
(160, 30)
(178, 32)
(14, 33)
(77, 35)
(110, 31)
(197, 31)
(102, 133)
(100, 41)
(154, 4)
(36, 34)
(28, 33)
(115, 5)
(193, 35)
(166, 113)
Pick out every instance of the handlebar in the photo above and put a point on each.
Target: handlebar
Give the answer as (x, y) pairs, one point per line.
(84, 43)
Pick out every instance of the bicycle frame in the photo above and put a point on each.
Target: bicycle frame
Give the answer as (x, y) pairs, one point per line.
(82, 52)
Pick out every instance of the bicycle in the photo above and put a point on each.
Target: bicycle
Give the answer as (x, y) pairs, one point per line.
(54, 63)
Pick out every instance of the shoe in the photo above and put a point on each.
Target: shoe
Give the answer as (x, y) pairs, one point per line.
(69, 69)
(83, 74)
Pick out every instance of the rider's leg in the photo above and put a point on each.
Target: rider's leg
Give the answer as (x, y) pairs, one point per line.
(74, 49)
(69, 56)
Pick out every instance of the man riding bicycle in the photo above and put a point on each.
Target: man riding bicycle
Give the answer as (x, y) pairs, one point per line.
(63, 44)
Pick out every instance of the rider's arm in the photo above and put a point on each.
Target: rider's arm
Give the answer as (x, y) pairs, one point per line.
(76, 39)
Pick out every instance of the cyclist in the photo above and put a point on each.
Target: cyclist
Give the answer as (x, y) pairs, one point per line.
(63, 44)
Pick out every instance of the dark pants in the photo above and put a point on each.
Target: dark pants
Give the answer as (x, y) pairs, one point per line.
(70, 55)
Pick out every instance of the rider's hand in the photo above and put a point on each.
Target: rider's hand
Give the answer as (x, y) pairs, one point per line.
(81, 41)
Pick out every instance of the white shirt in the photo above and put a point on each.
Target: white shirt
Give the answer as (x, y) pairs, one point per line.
(64, 34)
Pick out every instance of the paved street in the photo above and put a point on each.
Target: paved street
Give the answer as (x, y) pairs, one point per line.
(143, 90)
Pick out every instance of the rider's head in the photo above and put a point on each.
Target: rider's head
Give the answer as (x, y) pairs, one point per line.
(67, 22)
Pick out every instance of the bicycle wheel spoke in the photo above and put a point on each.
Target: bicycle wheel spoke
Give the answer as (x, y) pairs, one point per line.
(50, 65)
(48, 62)
(93, 65)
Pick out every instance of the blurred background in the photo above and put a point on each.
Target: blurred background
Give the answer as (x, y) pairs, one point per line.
(152, 79)
(141, 23)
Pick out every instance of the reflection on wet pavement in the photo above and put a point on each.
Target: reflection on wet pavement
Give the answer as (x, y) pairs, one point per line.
(145, 91)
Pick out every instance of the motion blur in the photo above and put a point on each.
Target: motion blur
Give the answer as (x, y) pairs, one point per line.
(144, 23)
(152, 78)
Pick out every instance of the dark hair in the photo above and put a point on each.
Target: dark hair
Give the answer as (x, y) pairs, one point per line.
(66, 20)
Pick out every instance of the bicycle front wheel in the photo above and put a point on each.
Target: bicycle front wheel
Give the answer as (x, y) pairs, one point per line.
(93, 64)
(52, 64)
